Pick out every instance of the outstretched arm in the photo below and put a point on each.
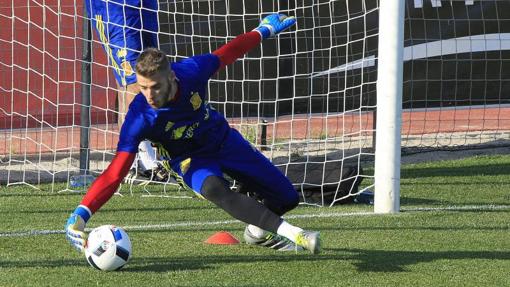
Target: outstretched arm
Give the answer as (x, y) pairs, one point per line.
(236, 48)
(107, 183)
(98, 194)
(269, 26)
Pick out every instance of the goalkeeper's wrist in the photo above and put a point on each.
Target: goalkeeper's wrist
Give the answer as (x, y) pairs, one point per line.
(84, 212)
(264, 31)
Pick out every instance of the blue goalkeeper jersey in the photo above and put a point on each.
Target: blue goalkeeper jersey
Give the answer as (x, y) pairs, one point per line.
(186, 125)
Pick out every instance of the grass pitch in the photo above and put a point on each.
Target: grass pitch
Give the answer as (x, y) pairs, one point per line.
(453, 231)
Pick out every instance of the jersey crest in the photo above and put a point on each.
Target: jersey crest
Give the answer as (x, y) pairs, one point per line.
(195, 101)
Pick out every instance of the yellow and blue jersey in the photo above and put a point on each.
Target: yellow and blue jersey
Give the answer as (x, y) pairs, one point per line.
(196, 139)
(125, 28)
(186, 125)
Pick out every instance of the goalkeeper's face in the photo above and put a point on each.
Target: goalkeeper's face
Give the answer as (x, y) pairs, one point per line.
(159, 88)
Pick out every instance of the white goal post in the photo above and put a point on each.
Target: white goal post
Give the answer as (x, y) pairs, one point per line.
(433, 74)
(389, 106)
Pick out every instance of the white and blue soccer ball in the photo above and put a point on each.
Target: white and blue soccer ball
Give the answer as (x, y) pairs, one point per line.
(108, 248)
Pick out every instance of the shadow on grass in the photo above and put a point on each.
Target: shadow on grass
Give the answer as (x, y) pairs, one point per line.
(364, 260)
(459, 183)
(447, 205)
(464, 171)
(43, 263)
(397, 261)
(166, 264)
(419, 201)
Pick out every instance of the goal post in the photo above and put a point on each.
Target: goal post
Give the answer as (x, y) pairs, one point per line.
(389, 106)
(86, 57)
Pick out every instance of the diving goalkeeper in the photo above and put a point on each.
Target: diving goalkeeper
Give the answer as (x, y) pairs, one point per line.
(200, 146)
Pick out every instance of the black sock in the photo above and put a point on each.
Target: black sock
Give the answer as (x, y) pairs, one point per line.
(239, 206)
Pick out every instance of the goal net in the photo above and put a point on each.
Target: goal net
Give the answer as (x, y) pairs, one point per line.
(456, 81)
(298, 98)
(307, 98)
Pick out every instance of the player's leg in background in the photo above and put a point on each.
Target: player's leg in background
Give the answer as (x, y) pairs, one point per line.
(146, 162)
(140, 31)
(125, 29)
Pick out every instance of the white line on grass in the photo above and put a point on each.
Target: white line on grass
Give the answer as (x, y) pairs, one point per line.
(296, 216)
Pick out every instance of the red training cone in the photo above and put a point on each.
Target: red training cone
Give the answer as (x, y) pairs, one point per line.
(222, 237)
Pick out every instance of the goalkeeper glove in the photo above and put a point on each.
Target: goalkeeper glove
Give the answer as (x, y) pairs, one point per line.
(274, 24)
(75, 227)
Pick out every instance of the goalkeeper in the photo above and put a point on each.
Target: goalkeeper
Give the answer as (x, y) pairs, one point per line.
(200, 146)
(125, 28)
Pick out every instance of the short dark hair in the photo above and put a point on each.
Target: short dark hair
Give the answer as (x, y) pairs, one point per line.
(150, 62)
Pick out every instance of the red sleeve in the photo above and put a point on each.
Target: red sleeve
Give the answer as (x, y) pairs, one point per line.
(103, 188)
(236, 48)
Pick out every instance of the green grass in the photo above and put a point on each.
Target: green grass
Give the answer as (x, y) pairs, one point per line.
(432, 242)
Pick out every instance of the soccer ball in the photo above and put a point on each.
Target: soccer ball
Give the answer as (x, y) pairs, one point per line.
(108, 248)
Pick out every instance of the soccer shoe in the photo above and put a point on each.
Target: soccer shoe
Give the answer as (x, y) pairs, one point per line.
(310, 240)
(159, 173)
(270, 240)
(144, 177)
(137, 176)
